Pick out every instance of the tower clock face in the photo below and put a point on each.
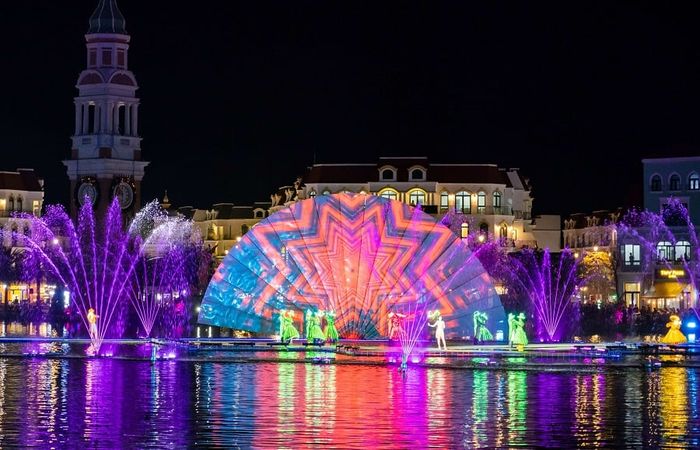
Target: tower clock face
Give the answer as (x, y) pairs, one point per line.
(87, 191)
(125, 194)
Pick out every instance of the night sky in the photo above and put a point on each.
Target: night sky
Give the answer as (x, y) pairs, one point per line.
(238, 98)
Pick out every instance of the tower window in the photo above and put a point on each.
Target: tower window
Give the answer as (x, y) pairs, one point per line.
(121, 58)
(107, 57)
(655, 183)
(92, 58)
(694, 182)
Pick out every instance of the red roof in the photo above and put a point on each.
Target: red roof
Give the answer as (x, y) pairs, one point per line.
(441, 173)
(22, 180)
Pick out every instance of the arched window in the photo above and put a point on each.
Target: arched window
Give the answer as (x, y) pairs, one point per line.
(481, 202)
(656, 183)
(416, 197)
(484, 227)
(26, 230)
(417, 174)
(674, 183)
(503, 231)
(19, 204)
(312, 194)
(464, 230)
(497, 203)
(683, 250)
(694, 182)
(444, 202)
(389, 194)
(463, 202)
(664, 251)
(326, 192)
(387, 174)
(11, 202)
(244, 229)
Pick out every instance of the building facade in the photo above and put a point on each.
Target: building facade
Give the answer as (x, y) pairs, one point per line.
(470, 198)
(655, 261)
(21, 193)
(105, 157)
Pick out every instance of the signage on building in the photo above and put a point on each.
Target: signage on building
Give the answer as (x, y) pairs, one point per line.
(671, 273)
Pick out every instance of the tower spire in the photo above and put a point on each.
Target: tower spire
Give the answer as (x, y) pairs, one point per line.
(107, 19)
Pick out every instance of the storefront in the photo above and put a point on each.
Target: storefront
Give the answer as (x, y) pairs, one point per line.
(671, 290)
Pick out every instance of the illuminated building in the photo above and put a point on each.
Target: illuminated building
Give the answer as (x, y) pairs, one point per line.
(485, 197)
(21, 192)
(105, 157)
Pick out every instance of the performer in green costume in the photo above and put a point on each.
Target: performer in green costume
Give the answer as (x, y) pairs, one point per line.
(329, 330)
(516, 327)
(287, 330)
(316, 333)
(481, 333)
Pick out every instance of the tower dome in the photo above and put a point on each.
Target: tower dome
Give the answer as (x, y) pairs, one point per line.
(107, 19)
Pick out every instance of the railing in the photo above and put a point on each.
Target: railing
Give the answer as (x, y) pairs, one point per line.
(486, 210)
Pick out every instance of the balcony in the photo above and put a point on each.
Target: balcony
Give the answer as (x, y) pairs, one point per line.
(488, 211)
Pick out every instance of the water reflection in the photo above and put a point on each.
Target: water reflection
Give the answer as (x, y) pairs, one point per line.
(109, 403)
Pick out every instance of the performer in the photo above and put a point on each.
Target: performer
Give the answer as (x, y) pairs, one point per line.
(481, 333)
(92, 320)
(674, 335)
(395, 327)
(308, 320)
(330, 330)
(517, 330)
(439, 326)
(317, 335)
(289, 332)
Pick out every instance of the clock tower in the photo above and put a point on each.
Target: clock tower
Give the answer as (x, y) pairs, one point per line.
(106, 152)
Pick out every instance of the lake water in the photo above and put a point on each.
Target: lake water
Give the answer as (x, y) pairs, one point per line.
(111, 403)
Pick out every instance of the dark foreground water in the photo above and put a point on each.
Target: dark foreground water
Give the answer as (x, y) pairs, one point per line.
(109, 403)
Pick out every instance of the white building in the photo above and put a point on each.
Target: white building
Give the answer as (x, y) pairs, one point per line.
(21, 192)
(481, 197)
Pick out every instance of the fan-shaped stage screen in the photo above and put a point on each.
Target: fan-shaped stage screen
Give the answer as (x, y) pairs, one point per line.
(361, 256)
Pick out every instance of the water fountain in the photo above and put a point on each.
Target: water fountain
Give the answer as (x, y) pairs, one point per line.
(102, 266)
(549, 285)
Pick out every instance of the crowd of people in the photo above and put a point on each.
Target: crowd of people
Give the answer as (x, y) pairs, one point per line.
(618, 322)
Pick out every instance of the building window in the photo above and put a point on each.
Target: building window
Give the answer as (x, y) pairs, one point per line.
(481, 202)
(107, 57)
(694, 182)
(464, 230)
(484, 227)
(664, 251)
(444, 202)
(121, 58)
(463, 202)
(674, 183)
(631, 254)
(387, 174)
(312, 194)
(632, 292)
(497, 202)
(656, 183)
(683, 250)
(503, 231)
(36, 209)
(258, 214)
(19, 204)
(92, 57)
(12, 203)
(326, 192)
(389, 194)
(417, 174)
(416, 197)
